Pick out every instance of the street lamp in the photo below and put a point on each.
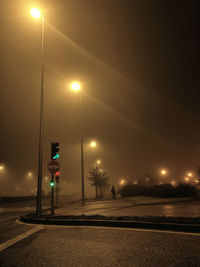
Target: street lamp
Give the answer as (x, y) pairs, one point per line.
(163, 172)
(29, 175)
(122, 182)
(186, 179)
(1, 167)
(35, 12)
(98, 161)
(93, 144)
(76, 86)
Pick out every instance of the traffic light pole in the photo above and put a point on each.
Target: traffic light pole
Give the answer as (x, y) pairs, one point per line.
(56, 194)
(52, 195)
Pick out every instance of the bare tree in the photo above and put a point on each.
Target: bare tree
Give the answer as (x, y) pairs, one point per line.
(98, 178)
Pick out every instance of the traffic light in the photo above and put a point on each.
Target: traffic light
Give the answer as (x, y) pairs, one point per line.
(54, 151)
(52, 184)
(57, 176)
(57, 173)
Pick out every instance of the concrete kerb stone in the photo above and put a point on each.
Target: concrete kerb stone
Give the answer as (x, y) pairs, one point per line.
(155, 223)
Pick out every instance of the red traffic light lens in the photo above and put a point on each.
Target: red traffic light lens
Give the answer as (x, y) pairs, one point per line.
(57, 173)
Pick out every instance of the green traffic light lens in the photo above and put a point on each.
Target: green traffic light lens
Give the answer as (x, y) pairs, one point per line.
(56, 156)
(52, 184)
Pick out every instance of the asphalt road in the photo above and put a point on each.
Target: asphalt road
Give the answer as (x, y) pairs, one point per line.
(86, 246)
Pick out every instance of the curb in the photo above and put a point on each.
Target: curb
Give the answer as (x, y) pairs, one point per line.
(140, 224)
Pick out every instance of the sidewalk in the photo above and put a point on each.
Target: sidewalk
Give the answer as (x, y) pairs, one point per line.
(135, 206)
(178, 214)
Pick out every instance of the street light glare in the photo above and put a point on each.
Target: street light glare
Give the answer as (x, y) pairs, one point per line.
(163, 172)
(35, 12)
(189, 174)
(98, 161)
(93, 144)
(1, 167)
(76, 86)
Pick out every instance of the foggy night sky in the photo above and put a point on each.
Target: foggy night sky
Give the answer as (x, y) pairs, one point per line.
(138, 62)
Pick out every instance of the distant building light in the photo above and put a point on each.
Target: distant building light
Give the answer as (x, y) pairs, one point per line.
(173, 183)
(122, 182)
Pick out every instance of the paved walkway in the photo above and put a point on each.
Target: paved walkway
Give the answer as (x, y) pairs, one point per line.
(138, 206)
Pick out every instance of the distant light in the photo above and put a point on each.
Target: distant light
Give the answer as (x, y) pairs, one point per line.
(196, 181)
(122, 182)
(35, 12)
(135, 182)
(189, 174)
(76, 86)
(147, 179)
(173, 183)
(100, 170)
(186, 179)
(93, 144)
(98, 162)
(30, 173)
(46, 178)
(163, 172)
(1, 167)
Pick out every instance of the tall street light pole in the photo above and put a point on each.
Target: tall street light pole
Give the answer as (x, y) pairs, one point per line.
(36, 14)
(82, 152)
(77, 87)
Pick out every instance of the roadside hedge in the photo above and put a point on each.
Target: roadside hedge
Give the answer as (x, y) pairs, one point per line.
(164, 190)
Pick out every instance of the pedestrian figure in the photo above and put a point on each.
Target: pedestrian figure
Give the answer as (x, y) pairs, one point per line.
(113, 191)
